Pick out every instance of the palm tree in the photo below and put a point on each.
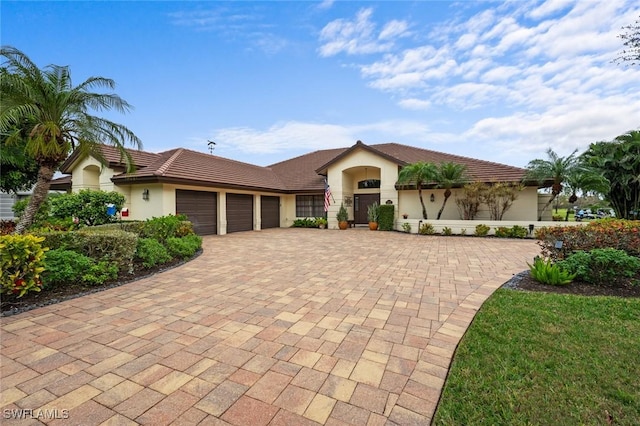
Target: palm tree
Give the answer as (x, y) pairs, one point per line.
(449, 175)
(583, 178)
(55, 117)
(419, 174)
(554, 169)
(618, 162)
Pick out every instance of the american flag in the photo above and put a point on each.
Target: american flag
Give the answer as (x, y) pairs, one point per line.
(327, 196)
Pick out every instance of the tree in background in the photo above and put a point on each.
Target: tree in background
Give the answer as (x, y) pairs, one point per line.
(499, 198)
(55, 117)
(418, 174)
(554, 169)
(470, 200)
(584, 179)
(449, 175)
(631, 42)
(19, 171)
(619, 162)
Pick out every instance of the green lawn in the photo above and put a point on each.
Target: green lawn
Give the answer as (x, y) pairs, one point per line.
(535, 358)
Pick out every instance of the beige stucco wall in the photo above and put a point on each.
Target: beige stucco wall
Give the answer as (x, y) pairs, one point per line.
(525, 207)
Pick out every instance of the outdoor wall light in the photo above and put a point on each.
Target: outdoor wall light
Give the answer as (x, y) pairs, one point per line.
(531, 226)
(145, 194)
(432, 198)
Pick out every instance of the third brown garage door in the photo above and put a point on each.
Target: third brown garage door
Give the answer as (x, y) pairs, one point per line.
(270, 212)
(239, 212)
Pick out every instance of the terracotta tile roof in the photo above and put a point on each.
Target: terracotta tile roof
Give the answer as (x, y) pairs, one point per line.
(113, 158)
(480, 170)
(184, 165)
(299, 174)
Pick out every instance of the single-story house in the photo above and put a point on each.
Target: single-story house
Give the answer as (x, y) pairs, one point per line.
(220, 195)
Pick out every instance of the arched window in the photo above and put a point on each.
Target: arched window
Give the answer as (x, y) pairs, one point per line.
(369, 183)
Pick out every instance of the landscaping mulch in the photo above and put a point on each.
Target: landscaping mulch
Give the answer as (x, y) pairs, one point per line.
(523, 281)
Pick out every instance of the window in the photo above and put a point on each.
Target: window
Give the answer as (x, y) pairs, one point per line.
(369, 183)
(309, 205)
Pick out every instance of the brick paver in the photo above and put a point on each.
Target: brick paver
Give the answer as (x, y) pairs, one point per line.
(282, 326)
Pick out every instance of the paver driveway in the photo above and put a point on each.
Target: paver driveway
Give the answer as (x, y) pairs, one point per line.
(280, 327)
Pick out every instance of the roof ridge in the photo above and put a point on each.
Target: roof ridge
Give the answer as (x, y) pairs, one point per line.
(448, 154)
(165, 166)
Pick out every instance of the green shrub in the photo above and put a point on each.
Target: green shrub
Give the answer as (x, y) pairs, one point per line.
(21, 263)
(386, 213)
(447, 231)
(184, 247)
(43, 211)
(518, 231)
(406, 227)
(515, 231)
(100, 244)
(603, 266)
(426, 229)
(502, 232)
(481, 230)
(89, 206)
(165, 227)
(112, 246)
(151, 253)
(67, 266)
(548, 273)
(613, 233)
(305, 223)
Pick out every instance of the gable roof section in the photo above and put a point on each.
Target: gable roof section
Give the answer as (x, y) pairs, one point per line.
(113, 158)
(299, 174)
(371, 148)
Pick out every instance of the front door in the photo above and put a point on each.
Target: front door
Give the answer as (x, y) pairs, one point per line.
(360, 204)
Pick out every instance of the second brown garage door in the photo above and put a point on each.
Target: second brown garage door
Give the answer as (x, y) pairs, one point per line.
(270, 212)
(239, 212)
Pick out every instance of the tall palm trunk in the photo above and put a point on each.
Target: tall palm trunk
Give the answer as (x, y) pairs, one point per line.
(447, 194)
(40, 191)
(553, 197)
(424, 209)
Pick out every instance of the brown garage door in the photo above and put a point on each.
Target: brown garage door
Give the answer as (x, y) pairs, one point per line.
(239, 212)
(270, 212)
(201, 209)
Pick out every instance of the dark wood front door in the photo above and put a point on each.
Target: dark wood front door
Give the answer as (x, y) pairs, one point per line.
(360, 204)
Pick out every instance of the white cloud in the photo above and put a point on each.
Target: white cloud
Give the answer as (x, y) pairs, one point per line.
(326, 4)
(416, 104)
(358, 36)
(294, 135)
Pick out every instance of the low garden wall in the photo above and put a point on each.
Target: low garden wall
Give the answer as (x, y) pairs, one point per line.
(468, 227)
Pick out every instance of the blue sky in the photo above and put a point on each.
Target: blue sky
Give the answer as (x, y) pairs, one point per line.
(267, 81)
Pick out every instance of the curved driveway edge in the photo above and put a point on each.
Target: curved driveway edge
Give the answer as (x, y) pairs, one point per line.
(278, 327)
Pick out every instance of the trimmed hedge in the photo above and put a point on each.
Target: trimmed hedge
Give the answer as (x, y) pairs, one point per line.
(100, 244)
(386, 217)
(619, 234)
(68, 266)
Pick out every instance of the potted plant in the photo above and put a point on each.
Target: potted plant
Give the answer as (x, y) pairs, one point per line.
(342, 217)
(321, 222)
(373, 211)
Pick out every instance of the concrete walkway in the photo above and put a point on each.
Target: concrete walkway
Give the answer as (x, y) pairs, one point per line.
(277, 327)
